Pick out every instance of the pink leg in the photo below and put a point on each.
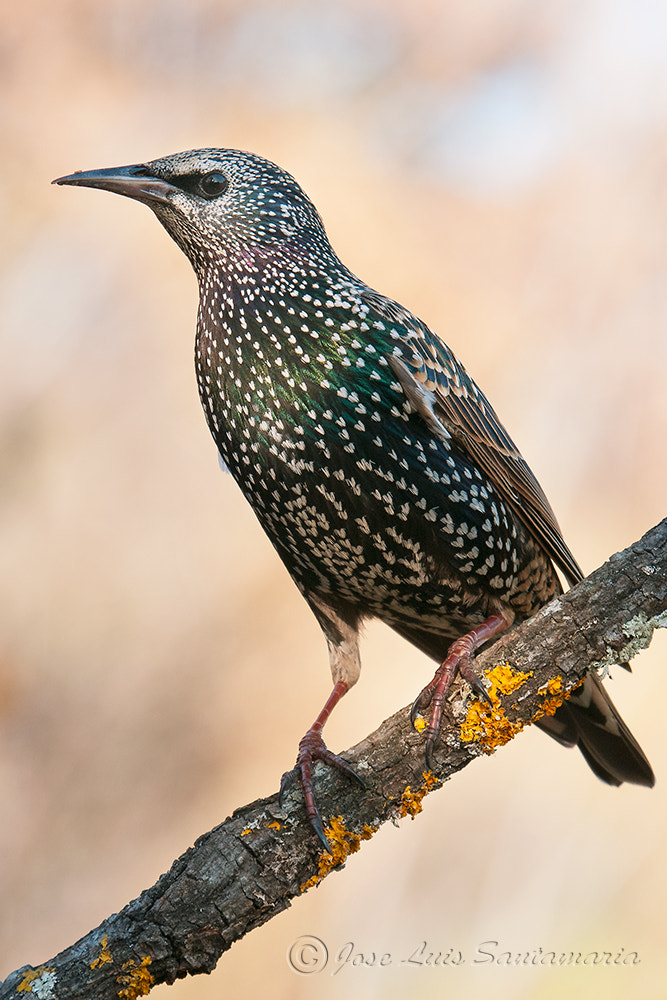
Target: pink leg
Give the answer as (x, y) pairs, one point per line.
(458, 661)
(312, 747)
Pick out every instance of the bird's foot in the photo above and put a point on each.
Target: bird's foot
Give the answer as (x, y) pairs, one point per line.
(457, 663)
(311, 748)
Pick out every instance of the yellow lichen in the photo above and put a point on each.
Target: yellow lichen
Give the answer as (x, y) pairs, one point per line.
(244, 833)
(273, 825)
(411, 802)
(504, 679)
(104, 956)
(136, 979)
(420, 724)
(486, 724)
(26, 984)
(556, 696)
(343, 842)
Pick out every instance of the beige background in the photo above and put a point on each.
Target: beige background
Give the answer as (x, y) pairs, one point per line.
(499, 168)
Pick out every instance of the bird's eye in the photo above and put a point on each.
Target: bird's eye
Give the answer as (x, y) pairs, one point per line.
(213, 184)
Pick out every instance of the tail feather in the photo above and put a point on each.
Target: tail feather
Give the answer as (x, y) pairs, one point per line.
(590, 721)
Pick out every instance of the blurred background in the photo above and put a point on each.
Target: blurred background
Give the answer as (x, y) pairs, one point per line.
(500, 169)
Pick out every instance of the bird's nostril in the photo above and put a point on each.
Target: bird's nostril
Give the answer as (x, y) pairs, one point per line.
(139, 171)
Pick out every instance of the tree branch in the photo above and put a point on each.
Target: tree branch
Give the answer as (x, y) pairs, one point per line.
(250, 867)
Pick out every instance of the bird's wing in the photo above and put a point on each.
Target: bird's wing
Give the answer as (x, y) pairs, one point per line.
(440, 389)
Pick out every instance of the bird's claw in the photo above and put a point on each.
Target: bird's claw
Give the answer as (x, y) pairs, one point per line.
(459, 662)
(311, 748)
(428, 751)
(422, 701)
(467, 673)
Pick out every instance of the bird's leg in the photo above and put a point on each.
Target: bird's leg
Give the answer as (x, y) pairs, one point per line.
(457, 662)
(311, 748)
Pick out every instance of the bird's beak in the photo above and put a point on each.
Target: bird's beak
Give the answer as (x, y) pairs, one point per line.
(133, 182)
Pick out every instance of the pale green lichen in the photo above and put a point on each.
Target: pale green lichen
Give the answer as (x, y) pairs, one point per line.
(639, 631)
(40, 982)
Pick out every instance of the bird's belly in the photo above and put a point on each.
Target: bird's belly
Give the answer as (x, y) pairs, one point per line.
(402, 556)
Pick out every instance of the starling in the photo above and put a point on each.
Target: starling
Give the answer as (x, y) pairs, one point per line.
(374, 463)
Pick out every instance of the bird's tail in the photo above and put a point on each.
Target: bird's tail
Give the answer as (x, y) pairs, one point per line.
(590, 721)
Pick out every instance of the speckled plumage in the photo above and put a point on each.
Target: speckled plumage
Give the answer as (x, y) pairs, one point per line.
(297, 369)
(374, 463)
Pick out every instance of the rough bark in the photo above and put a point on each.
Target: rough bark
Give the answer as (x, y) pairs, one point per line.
(251, 867)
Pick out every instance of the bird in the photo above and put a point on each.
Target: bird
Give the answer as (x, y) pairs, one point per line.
(376, 466)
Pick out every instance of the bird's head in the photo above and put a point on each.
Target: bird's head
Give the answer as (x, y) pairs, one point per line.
(217, 201)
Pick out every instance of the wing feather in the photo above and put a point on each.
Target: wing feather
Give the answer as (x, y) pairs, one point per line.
(441, 390)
